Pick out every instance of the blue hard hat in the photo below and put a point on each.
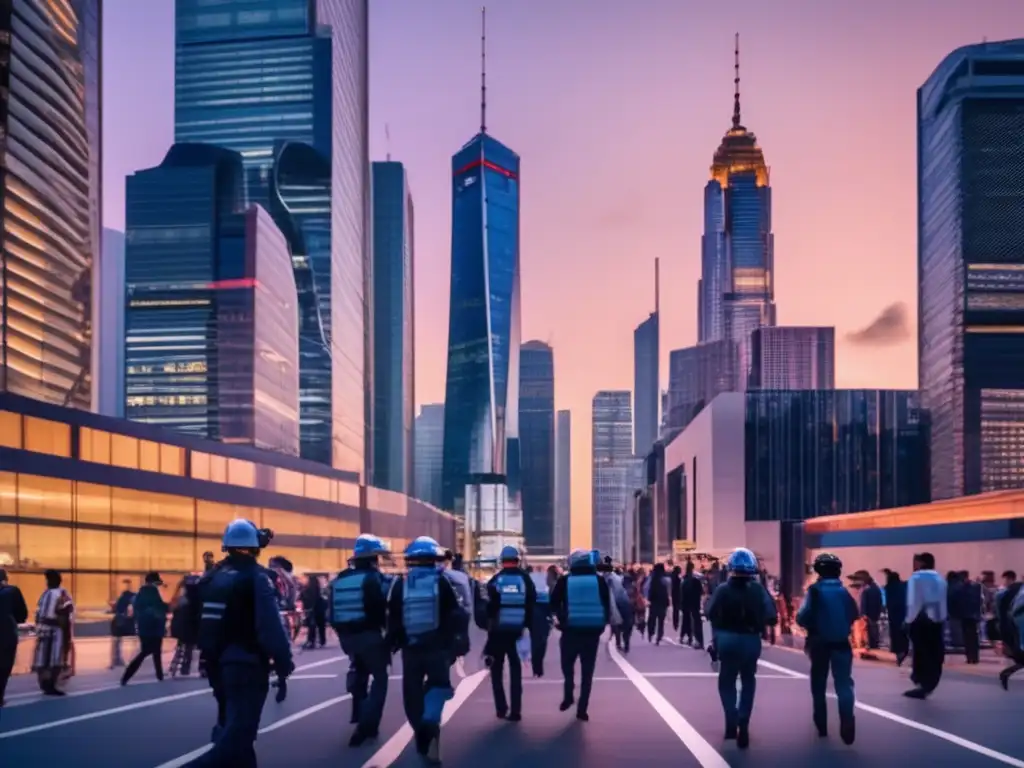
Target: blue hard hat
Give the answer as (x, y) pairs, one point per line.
(509, 554)
(241, 534)
(742, 562)
(423, 548)
(368, 545)
(579, 557)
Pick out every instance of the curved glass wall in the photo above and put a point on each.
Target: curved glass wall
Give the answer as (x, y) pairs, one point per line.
(50, 116)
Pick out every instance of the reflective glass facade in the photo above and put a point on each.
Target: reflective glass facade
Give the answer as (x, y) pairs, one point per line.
(50, 119)
(971, 268)
(211, 323)
(792, 357)
(563, 481)
(646, 392)
(814, 453)
(696, 375)
(104, 499)
(394, 358)
(481, 431)
(429, 438)
(613, 467)
(537, 445)
(285, 83)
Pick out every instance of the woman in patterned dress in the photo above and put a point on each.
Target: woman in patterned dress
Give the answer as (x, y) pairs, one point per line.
(53, 634)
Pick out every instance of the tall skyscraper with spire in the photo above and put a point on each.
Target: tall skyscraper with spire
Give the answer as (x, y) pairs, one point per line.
(736, 292)
(481, 416)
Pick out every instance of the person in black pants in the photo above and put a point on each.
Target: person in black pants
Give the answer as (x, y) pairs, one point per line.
(151, 625)
(691, 591)
(13, 612)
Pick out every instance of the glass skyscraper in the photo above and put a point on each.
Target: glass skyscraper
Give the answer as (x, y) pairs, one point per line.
(970, 115)
(285, 83)
(428, 435)
(736, 292)
(481, 415)
(646, 377)
(394, 357)
(211, 322)
(613, 468)
(814, 453)
(792, 357)
(50, 121)
(537, 445)
(696, 375)
(563, 481)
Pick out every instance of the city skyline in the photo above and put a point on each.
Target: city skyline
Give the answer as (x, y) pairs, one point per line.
(611, 230)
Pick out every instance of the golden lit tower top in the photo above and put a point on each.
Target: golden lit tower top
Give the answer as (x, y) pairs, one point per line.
(738, 151)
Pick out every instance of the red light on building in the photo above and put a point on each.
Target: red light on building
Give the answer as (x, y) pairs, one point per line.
(486, 164)
(231, 285)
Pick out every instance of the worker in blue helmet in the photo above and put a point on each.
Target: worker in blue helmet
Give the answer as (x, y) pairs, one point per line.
(242, 639)
(511, 597)
(827, 614)
(738, 611)
(423, 619)
(358, 613)
(581, 604)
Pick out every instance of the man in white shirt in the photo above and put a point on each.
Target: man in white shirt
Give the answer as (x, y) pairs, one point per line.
(926, 621)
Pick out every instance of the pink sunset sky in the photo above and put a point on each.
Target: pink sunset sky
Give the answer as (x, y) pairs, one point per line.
(616, 108)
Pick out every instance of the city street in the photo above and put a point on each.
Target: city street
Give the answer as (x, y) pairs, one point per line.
(658, 703)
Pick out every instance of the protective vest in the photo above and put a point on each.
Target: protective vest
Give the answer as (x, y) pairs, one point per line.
(228, 613)
(347, 603)
(421, 603)
(583, 598)
(511, 589)
(540, 583)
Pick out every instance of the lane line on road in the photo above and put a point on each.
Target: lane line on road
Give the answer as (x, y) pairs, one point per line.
(313, 677)
(185, 759)
(103, 713)
(952, 738)
(395, 746)
(704, 753)
(779, 668)
(560, 681)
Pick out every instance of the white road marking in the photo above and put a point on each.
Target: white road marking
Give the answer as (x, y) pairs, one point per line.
(178, 762)
(312, 677)
(714, 675)
(705, 754)
(952, 738)
(103, 713)
(395, 746)
(779, 668)
(560, 681)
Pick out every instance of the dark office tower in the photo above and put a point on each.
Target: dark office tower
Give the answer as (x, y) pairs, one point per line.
(970, 120)
(790, 357)
(737, 290)
(563, 481)
(428, 435)
(210, 320)
(645, 377)
(481, 415)
(696, 375)
(537, 445)
(394, 358)
(50, 189)
(284, 83)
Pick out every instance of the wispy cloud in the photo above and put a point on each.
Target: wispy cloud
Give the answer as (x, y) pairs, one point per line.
(890, 327)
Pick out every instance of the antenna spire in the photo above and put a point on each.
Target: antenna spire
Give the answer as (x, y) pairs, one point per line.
(387, 140)
(483, 69)
(736, 83)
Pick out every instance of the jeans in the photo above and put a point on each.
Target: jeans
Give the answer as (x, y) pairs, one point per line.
(582, 646)
(368, 658)
(839, 658)
(737, 655)
(244, 692)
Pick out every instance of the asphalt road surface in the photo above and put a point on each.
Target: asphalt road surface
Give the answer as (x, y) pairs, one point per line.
(657, 705)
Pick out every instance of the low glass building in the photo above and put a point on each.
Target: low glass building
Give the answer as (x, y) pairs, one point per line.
(103, 499)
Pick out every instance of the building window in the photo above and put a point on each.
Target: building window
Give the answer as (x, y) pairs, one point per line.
(49, 437)
(200, 465)
(44, 498)
(10, 429)
(8, 494)
(172, 460)
(124, 451)
(149, 456)
(92, 504)
(41, 547)
(94, 445)
(242, 473)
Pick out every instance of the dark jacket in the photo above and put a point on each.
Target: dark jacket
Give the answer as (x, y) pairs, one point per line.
(13, 612)
(828, 612)
(691, 590)
(871, 602)
(122, 625)
(896, 601)
(150, 612)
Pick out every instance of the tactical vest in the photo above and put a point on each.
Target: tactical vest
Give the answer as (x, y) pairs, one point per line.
(511, 589)
(421, 603)
(228, 613)
(583, 600)
(347, 603)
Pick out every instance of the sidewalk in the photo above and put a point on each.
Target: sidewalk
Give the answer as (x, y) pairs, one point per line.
(92, 654)
(989, 664)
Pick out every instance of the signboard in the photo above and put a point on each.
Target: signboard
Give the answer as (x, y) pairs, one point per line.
(681, 546)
